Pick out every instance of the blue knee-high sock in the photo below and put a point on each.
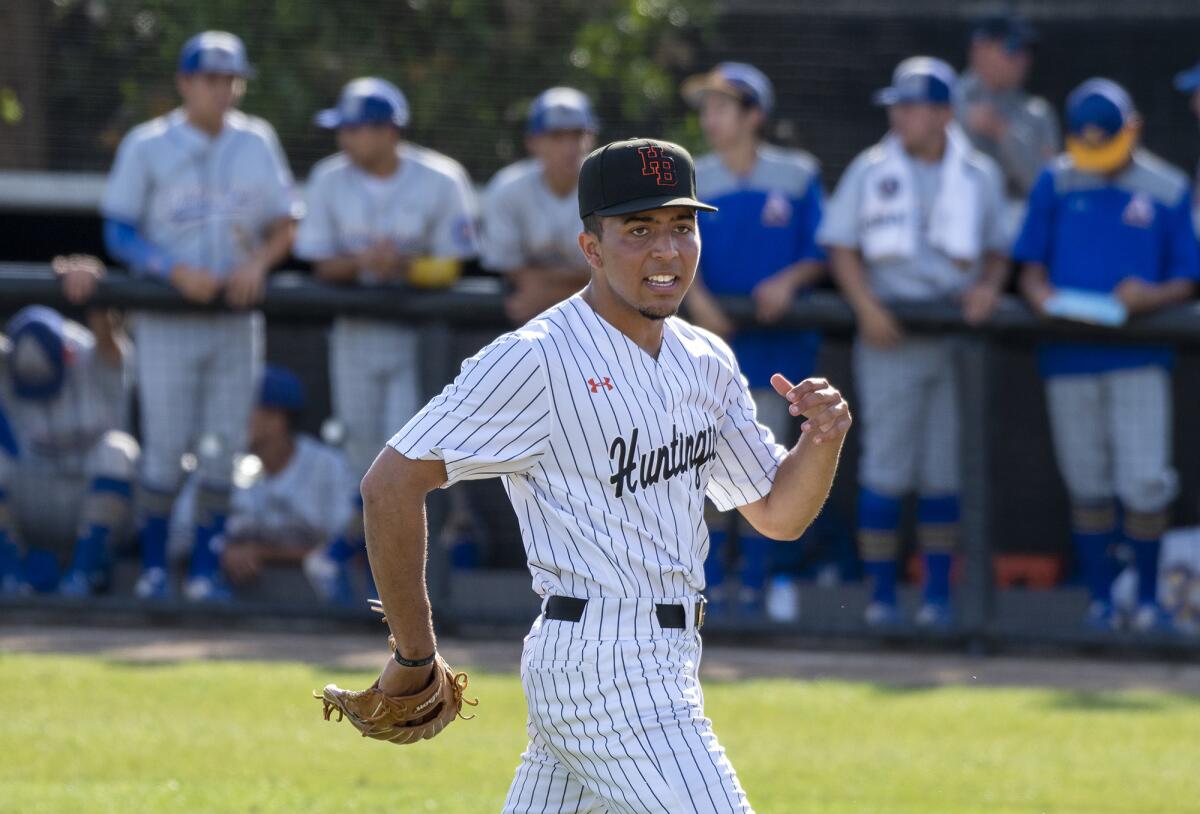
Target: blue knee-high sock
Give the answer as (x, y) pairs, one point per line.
(714, 563)
(1145, 557)
(878, 524)
(154, 540)
(1092, 548)
(346, 546)
(206, 559)
(753, 572)
(91, 548)
(937, 531)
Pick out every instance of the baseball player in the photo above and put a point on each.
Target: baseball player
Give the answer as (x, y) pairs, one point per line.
(66, 477)
(1110, 218)
(610, 420)
(917, 217)
(762, 243)
(373, 209)
(1015, 129)
(201, 197)
(530, 218)
(292, 502)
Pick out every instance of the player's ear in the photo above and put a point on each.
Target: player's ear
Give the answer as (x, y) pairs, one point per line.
(589, 244)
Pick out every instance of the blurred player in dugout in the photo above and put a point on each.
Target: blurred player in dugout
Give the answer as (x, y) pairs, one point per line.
(530, 217)
(289, 498)
(1109, 218)
(1018, 131)
(916, 218)
(761, 244)
(382, 210)
(67, 465)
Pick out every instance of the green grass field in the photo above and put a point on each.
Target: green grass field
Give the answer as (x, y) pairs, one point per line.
(79, 734)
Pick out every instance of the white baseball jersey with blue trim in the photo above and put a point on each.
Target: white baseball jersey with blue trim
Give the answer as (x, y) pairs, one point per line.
(607, 455)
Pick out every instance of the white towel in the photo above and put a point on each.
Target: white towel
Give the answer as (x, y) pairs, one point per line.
(890, 217)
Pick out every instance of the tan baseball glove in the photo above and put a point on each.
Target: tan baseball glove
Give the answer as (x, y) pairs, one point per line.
(403, 719)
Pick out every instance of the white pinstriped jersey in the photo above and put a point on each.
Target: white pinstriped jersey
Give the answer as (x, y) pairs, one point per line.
(206, 201)
(606, 453)
(91, 402)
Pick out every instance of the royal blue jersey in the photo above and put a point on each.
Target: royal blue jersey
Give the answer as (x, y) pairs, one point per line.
(767, 221)
(1092, 232)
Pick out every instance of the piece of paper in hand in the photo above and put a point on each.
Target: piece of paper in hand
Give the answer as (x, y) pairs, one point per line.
(1087, 306)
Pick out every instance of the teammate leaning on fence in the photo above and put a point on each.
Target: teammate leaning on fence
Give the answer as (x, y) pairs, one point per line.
(66, 473)
(530, 217)
(609, 420)
(375, 212)
(762, 244)
(917, 217)
(201, 197)
(1107, 217)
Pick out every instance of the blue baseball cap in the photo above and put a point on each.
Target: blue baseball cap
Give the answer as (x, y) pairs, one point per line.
(1012, 31)
(561, 109)
(1188, 81)
(37, 362)
(369, 100)
(737, 79)
(281, 389)
(1099, 117)
(919, 80)
(215, 52)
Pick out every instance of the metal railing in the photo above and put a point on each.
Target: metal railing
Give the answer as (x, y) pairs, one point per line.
(476, 303)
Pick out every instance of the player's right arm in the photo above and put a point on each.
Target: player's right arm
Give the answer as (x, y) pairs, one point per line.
(1034, 244)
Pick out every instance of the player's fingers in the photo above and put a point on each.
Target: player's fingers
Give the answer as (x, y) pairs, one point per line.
(816, 404)
(781, 384)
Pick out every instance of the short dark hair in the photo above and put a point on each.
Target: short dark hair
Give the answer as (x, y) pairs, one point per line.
(594, 224)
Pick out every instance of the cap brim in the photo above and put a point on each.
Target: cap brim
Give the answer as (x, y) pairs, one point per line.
(655, 202)
(893, 96)
(330, 119)
(695, 87)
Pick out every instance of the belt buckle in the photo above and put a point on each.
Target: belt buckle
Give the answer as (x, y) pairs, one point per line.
(701, 608)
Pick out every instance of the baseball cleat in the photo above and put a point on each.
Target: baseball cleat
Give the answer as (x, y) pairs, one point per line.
(1101, 617)
(76, 584)
(153, 584)
(206, 589)
(882, 616)
(934, 616)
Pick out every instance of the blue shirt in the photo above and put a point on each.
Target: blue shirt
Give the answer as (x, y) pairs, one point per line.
(767, 221)
(1092, 232)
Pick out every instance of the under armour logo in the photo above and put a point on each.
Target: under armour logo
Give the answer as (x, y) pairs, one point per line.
(606, 383)
(656, 164)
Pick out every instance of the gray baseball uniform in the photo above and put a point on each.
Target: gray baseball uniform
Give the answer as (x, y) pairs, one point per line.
(205, 201)
(428, 209)
(526, 224)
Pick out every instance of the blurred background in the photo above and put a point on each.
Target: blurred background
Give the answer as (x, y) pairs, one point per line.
(75, 75)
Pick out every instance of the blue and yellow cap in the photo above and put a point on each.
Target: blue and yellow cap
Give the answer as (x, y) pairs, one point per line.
(1101, 126)
(561, 109)
(368, 100)
(215, 52)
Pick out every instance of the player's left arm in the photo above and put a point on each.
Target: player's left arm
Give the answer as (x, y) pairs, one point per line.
(774, 295)
(247, 282)
(1181, 266)
(805, 475)
(981, 299)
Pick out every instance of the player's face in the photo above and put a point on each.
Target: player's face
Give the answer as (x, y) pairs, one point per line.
(209, 96)
(562, 151)
(726, 121)
(268, 427)
(367, 144)
(919, 126)
(997, 66)
(645, 261)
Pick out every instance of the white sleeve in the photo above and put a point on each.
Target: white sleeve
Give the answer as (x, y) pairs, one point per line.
(747, 455)
(128, 184)
(500, 235)
(282, 200)
(493, 419)
(454, 232)
(316, 236)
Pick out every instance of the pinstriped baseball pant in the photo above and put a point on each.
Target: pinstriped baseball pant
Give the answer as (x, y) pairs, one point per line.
(616, 718)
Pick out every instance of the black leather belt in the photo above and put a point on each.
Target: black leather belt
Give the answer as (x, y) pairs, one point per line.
(570, 609)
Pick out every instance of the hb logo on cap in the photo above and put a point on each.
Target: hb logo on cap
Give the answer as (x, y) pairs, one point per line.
(656, 164)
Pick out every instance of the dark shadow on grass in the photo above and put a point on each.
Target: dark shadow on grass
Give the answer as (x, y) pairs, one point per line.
(1087, 701)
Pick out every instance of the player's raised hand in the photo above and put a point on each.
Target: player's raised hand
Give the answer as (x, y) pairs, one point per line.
(79, 274)
(827, 415)
(246, 283)
(195, 284)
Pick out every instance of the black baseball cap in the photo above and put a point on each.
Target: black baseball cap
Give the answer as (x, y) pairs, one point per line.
(636, 175)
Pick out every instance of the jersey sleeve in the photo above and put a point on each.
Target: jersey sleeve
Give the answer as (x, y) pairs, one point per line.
(282, 200)
(493, 419)
(1184, 252)
(1034, 241)
(995, 235)
(500, 236)
(839, 222)
(128, 184)
(454, 230)
(747, 455)
(316, 236)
